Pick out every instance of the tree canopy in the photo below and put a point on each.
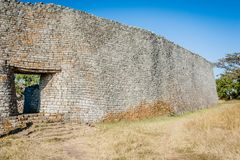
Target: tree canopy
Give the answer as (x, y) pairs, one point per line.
(228, 84)
(231, 64)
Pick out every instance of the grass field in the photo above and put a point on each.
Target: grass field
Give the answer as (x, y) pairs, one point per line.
(209, 134)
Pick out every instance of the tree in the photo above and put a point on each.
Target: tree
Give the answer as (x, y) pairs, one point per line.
(228, 88)
(231, 65)
(228, 85)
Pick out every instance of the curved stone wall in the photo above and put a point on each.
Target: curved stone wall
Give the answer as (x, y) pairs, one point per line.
(8, 104)
(101, 66)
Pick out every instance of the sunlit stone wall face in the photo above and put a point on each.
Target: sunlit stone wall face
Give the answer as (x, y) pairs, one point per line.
(91, 66)
(8, 105)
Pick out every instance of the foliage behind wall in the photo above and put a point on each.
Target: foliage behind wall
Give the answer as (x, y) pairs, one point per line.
(24, 80)
(228, 84)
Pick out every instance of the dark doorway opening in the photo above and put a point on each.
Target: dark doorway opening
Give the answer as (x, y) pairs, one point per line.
(27, 93)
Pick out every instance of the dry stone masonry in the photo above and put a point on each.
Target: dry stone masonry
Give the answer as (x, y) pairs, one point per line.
(91, 66)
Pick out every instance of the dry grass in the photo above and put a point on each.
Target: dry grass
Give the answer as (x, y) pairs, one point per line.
(211, 134)
(217, 132)
(144, 110)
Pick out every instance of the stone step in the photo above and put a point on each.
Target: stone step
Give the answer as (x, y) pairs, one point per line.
(20, 122)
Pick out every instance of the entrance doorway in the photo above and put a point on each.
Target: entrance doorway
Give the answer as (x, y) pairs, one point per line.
(27, 93)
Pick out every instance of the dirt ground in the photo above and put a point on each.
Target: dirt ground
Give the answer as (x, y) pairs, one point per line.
(210, 134)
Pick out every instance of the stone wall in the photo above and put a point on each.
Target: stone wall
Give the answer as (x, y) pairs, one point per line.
(91, 66)
(8, 103)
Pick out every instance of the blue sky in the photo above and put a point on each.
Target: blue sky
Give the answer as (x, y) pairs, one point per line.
(210, 28)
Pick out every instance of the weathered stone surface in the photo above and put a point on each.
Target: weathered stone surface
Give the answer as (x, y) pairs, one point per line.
(91, 66)
(8, 104)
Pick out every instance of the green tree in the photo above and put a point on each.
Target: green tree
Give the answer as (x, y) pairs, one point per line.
(228, 84)
(228, 88)
(231, 64)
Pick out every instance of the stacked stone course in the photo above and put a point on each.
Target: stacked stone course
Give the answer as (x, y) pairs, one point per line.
(14, 124)
(91, 67)
(8, 105)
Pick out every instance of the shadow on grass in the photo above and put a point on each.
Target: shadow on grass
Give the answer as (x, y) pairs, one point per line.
(17, 130)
